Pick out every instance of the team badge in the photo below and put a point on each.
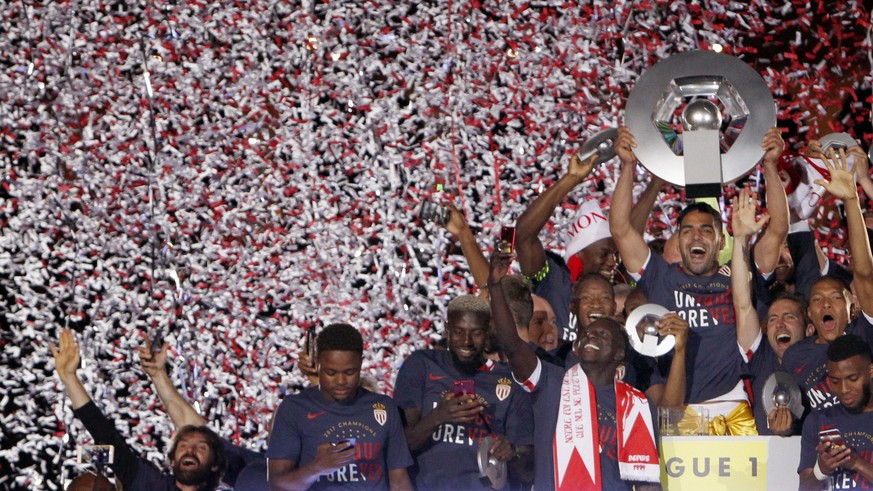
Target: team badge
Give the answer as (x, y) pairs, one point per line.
(380, 413)
(504, 387)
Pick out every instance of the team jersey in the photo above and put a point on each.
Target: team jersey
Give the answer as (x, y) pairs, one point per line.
(806, 361)
(557, 289)
(448, 460)
(763, 364)
(546, 404)
(306, 420)
(713, 362)
(857, 432)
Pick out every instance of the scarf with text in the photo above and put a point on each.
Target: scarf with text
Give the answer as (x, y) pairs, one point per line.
(576, 447)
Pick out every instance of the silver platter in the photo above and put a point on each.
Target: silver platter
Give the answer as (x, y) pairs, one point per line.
(601, 143)
(700, 73)
(643, 316)
(492, 472)
(781, 390)
(837, 140)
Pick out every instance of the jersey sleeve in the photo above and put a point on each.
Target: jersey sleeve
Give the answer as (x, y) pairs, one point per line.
(519, 429)
(397, 455)
(285, 439)
(409, 387)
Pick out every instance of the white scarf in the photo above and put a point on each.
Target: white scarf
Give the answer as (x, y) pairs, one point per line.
(576, 447)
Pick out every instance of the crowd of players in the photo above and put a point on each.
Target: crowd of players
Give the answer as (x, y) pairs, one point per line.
(540, 367)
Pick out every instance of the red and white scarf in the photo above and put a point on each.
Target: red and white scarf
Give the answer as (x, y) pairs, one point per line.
(576, 447)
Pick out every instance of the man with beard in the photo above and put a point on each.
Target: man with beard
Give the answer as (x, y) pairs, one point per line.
(245, 469)
(837, 442)
(830, 298)
(588, 246)
(697, 288)
(592, 431)
(785, 323)
(196, 453)
(338, 435)
(452, 399)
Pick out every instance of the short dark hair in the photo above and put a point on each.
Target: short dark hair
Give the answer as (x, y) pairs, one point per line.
(847, 346)
(702, 207)
(518, 295)
(340, 337)
(835, 279)
(798, 299)
(577, 288)
(216, 449)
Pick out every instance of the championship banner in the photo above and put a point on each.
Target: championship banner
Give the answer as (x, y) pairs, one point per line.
(729, 463)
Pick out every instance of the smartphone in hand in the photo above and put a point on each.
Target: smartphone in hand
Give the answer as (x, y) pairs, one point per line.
(464, 387)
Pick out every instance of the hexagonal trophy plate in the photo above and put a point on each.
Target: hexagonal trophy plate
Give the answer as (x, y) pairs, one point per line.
(662, 91)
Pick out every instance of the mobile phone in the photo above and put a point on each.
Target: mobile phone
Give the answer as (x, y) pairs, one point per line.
(832, 435)
(346, 442)
(96, 454)
(507, 239)
(433, 212)
(464, 387)
(309, 343)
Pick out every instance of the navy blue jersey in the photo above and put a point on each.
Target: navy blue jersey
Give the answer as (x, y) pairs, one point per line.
(713, 361)
(306, 420)
(547, 403)
(448, 459)
(806, 361)
(857, 432)
(557, 289)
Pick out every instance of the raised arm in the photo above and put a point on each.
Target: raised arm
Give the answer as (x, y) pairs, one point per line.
(522, 359)
(67, 360)
(862, 169)
(631, 245)
(476, 261)
(643, 207)
(154, 365)
(770, 243)
(842, 185)
(531, 254)
(674, 389)
(744, 227)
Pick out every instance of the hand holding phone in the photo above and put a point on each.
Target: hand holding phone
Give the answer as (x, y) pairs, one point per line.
(833, 436)
(507, 240)
(464, 388)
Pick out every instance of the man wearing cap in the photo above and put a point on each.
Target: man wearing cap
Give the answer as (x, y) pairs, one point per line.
(588, 244)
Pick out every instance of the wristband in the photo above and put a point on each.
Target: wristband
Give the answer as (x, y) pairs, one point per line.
(816, 471)
(539, 276)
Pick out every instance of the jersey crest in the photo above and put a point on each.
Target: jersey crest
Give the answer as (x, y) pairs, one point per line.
(380, 413)
(503, 389)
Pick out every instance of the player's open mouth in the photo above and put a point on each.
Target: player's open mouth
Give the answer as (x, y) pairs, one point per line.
(783, 338)
(595, 315)
(829, 322)
(188, 462)
(591, 346)
(697, 251)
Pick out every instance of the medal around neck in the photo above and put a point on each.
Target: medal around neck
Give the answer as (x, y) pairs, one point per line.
(699, 118)
(643, 332)
(601, 143)
(780, 390)
(492, 472)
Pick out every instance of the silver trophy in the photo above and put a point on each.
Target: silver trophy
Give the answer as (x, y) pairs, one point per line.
(642, 329)
(699, 119)
(601, 143)
(492, 472)
(780, 390)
